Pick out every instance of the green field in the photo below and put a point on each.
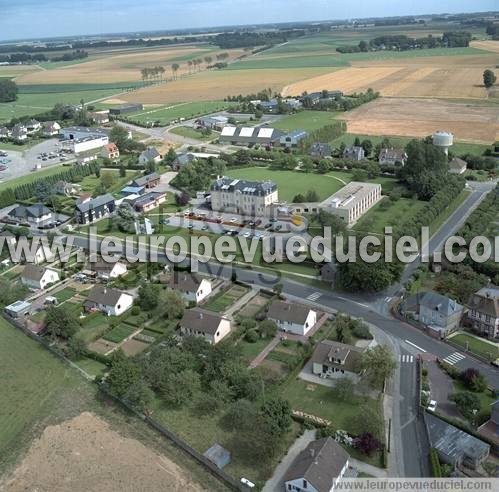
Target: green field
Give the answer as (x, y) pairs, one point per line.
(189, 132)
(305, 120)
(291, 183)
(388, 213)
(33, 386)
(33, 103)
(119, 333)
(489, 350)
(166, 114)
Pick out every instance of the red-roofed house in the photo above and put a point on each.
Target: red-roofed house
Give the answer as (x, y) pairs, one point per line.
(110, 151)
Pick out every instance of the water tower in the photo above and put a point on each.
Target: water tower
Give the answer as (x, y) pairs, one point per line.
(443, 140)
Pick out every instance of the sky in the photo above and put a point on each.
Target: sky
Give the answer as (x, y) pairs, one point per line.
(27, 19)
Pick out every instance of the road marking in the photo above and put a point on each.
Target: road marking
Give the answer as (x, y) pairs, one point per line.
(454, 358)
(406, 358)
(415, 346)
(314, 296)
(360, 304)
(388, 299)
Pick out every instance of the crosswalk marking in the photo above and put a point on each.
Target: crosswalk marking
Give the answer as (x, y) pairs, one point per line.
(406, 358)
(314, 296)
(454, 358)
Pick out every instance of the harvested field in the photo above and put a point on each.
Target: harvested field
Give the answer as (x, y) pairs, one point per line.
(421, 117)
(444, 77)
(486, 45)
(210, 85)
(122, 67)
(84, 454)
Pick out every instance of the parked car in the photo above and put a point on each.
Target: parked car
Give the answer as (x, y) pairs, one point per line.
(432, 406)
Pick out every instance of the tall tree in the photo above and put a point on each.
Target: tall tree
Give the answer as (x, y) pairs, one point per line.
(489, 78)
(378, 364)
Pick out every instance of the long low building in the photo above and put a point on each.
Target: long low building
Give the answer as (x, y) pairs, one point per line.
(249, 135)
(353, 200)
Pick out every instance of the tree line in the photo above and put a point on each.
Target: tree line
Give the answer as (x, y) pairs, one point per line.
(41, 57)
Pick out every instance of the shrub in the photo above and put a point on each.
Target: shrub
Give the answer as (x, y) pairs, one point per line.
(436, 470)
(473, 380)
(251, 336)
(135, 311)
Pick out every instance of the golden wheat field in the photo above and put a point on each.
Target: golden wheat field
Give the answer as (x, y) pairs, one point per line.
(217, 84)
(420, 117)
(122, 66)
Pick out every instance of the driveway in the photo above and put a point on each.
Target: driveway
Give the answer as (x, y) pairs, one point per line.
(441, 387)
(276, 482)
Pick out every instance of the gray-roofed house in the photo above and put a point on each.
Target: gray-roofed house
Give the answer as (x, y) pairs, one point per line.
(216, 122)
(252, 198)
(454, 446)
(318, 468)
(336, 360)
(392, 157)
(50, 128)
(106, 270)
(320, 150)
(151, 154)
(149, 201)
(439, 314)
(32, 214)
(212, 327)
(147, 181)
(182, 160)
(91, 209)
(4, 132)
(355, 153)
(484, 311)
(457, 166)
(193, 288)
(19, 133)
(38, 277)
(292, 317)
(293, 138)
(490, 429)
(112, 302)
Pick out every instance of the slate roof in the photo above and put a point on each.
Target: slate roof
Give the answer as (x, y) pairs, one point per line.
(318, 148)
(33, 211)
(453, 442)
(144, 200)
(150, 153)
(186, 282)
(320, 463)
(104, 295)
(438, 302)
(230, 185)
(285, 311)
(184, 159)
(486, 301)
(328, 349)
(95, 202)
(100, 266)
(144, 180)
(200, 320)
(33, 272)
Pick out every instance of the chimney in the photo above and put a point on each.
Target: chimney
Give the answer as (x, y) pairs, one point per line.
(200, 315)
(312, 452)
(105, 290)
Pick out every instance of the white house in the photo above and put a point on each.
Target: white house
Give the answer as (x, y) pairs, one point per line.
(149, 155)
(332, 359)
(109, 301)
(318, 468)
(293, 318)
(107, 270)
(193, 288)
(37, 277)
(50, 128)
(32, 214)
(212, 327)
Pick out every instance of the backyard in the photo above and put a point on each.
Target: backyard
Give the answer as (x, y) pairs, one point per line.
(220, 302)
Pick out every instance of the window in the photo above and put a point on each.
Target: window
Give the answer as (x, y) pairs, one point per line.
(304, 484)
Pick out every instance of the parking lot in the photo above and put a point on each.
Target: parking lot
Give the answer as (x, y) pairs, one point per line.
(20, 163)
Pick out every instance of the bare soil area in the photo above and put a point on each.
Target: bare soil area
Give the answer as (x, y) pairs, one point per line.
(85, 455)
(420, 117)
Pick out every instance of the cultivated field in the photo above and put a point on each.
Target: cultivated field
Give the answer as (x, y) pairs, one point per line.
(86, 454)
(218, 84)
(121, 67)
(421, 117)
(432, 76)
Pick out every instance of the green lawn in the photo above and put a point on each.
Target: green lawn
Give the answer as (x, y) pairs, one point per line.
(291, 183)
(248, 351)
(32, 387)
(93, 326)
(29, 178)
(489, 350)
(119, 333)
(305, 120)
(388, 213)
(166, 114)
(65, 294)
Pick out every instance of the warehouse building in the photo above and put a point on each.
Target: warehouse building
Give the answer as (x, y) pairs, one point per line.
(248, 135)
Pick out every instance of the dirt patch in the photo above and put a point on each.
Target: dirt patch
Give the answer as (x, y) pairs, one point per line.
(115, 101)
(421, 117)
(133, 347)
(84, 454)
(486, 45)
(101, 346)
